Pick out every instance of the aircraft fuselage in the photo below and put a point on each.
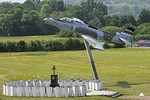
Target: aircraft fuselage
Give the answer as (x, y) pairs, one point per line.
(75, 25)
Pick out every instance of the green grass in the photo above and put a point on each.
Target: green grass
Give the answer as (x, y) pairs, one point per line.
(28, 38)
(124, 70)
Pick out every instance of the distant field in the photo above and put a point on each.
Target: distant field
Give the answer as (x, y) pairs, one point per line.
(28, 38)
(125, 70)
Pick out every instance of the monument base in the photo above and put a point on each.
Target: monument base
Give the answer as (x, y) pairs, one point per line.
(64, 88)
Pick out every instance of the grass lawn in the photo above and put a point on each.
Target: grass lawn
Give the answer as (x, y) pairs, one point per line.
(124, 70)
(29, 38)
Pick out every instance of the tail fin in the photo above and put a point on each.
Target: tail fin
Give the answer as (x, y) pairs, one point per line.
(123, 37)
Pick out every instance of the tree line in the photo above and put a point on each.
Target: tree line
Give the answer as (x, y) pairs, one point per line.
(119, 6)
(23, 19)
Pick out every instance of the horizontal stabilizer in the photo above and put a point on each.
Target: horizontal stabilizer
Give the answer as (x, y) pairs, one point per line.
(125, 41)
(93, 42)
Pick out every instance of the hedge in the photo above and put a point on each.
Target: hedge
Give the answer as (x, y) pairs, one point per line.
(141, 37)
(42, 45)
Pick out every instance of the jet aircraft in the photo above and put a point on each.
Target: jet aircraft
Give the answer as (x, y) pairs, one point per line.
(89, 33)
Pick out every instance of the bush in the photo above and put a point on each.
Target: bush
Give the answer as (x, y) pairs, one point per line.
(112, 29)
(73, 44)
(106, 45)
(143, 29)
(21, 46)
(2, 47)
(54, 46)
(141, 37)
(36, 46)
(11, 46)
(64, 33)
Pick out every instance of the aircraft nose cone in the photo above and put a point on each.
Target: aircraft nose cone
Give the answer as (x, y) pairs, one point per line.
(45, 19)
(48, 19)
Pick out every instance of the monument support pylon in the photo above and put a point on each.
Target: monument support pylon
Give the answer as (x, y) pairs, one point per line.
(91, 59)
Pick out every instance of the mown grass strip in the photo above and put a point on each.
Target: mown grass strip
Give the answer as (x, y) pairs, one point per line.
(123, 70)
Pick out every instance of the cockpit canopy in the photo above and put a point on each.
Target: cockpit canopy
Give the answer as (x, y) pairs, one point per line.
(69, 20)
(65, 19)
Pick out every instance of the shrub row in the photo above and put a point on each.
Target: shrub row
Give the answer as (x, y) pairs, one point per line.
(141, 37)
(42, 45)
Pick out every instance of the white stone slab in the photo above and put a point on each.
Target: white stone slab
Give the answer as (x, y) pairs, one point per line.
(90, 85)
(47, 83)
(27, 91)
(66, 92)
(87, 85)
(11, 91)
(98, 85)
(49, 91)
(62, 89)
(73, 83)
(19, 90)
(76, 91)
(22, 83)
(14, 90)
(42, 91)
(29, 83)
(7, 90)
(4, 89)
(57, 92)
(70, 91)
(103, 92)
(82, 90)
(61, 84)
(34, 91)
(93, 85)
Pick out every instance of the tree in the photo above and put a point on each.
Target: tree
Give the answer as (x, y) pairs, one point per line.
(107, 20)
(7, 24)
(127, 19)
(2, 25)
(87, 11)
(16, 29)
(144, 16)
(31, 23)
(59, 6)
(143, 29)
(75, 11)
(45, 11)
(93, 9)
(31, 4)
(5, 7)
(95, 22)
(51, 6)
(114, 21)
(112, 29)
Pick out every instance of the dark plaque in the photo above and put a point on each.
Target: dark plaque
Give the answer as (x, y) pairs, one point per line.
(54, 78)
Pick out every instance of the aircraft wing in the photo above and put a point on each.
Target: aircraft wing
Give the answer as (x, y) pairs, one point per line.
(93, 42)
(125, 41)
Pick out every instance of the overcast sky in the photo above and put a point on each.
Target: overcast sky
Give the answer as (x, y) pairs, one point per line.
(21, 1)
